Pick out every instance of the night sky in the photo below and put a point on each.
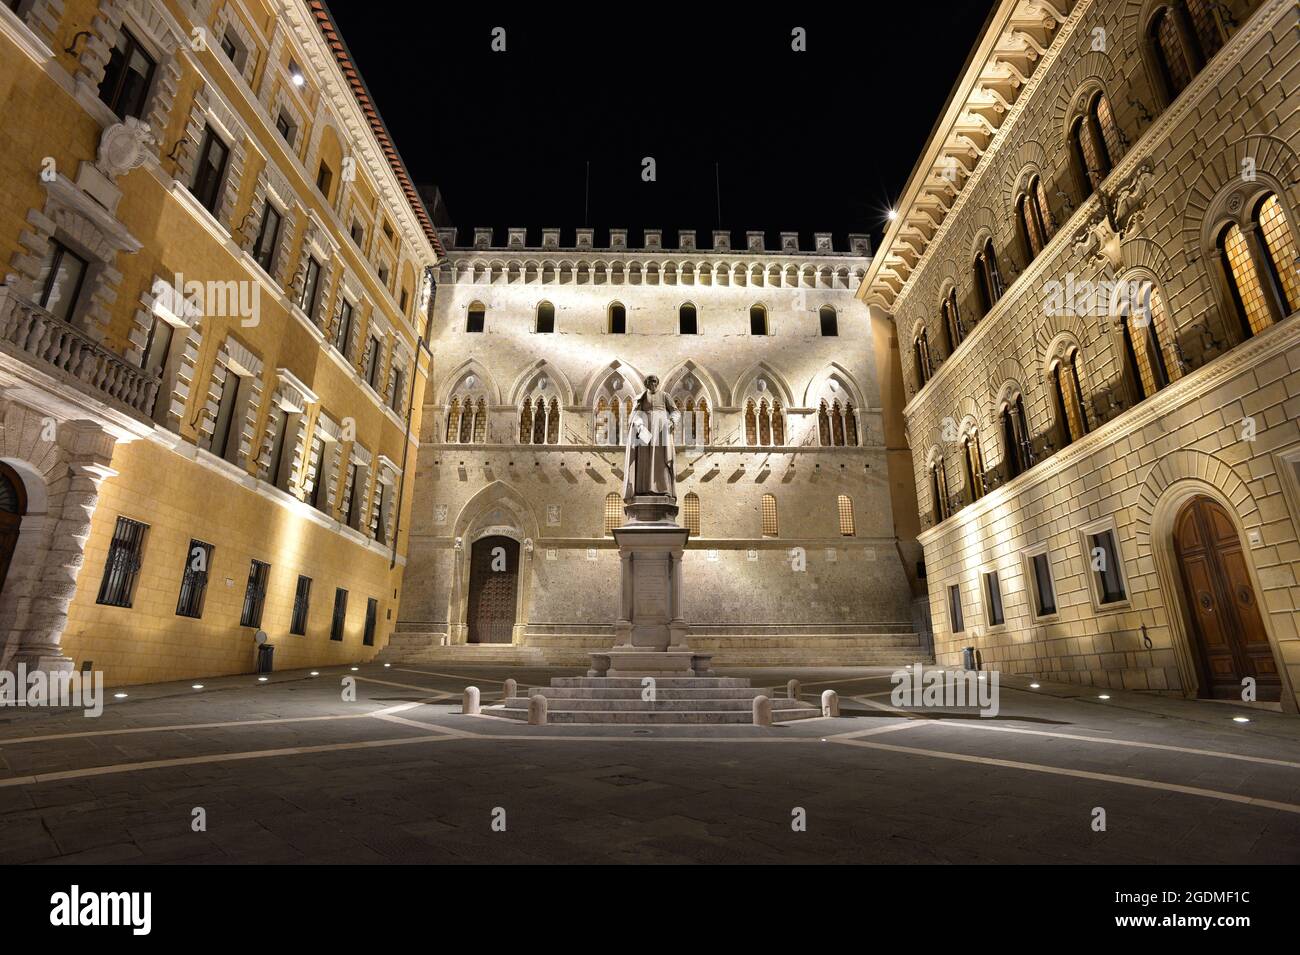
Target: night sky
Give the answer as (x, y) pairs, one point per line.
(820, 141)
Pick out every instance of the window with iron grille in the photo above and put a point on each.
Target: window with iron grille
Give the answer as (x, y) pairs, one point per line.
(123, 564)
(255, 594)
(301, 604)
(769, 515)
(613, 513)
(340, 613)
(372, 612)
(847, 528)
(691, 513)
(194, 580)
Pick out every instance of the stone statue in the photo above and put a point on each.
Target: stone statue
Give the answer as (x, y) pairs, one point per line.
(648, 464)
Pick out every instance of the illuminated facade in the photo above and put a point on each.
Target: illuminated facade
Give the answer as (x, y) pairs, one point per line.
(1093, 274)
(209, 340)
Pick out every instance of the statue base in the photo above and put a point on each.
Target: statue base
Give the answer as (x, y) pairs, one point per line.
(658, 510)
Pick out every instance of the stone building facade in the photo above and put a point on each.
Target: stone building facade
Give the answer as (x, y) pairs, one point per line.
(1093, 273)
(210, 322)
(783, 471)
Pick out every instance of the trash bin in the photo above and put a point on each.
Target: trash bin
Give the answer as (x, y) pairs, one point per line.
(967, 657)
(265, 657)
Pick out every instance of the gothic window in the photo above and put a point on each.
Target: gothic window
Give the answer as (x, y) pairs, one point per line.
(830, 323)
(850, 425)
(617, 319)
(553, 422)
(453, 421)
(757, 320)
(778, 424)
(845, 505)
(837, 424)
(695, 418)
(539, 422)
(545, 318)
(526, 423)
(1259, 264)
(769, 515)
(480, 422)
(751, 424)
(687, 320)
(974, 463)
(613, 512)
(691, 513)
(613, 411)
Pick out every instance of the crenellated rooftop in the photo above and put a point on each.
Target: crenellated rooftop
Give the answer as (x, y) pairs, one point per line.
(652, 241)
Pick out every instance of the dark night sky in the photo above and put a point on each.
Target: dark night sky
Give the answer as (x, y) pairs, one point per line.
(814, 141)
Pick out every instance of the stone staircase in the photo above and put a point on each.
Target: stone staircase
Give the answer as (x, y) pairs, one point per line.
(677, 700)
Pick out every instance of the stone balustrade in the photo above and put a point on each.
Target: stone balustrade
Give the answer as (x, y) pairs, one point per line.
(51, 341)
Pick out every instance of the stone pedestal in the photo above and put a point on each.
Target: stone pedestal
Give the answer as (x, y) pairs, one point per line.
(650, 631)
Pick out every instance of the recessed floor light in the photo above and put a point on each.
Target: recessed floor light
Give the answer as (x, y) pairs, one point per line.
(355, 669)
(387, 664)
(197, 686)
(262, 679)
(315, 672)
(119, 696)
(1241, 719)
(1103, 696)
(1033, 686)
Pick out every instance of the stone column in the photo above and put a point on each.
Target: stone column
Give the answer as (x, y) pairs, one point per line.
(623, 626)
(90, 451)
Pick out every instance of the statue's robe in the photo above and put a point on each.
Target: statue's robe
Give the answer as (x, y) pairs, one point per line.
(648, 460)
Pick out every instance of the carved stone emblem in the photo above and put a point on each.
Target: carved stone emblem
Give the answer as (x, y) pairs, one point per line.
(124, 146)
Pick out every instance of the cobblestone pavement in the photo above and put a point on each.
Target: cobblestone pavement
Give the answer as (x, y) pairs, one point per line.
(288, 771)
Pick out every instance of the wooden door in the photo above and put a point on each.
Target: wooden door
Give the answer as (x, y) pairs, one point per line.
(493, 589)
(13, 505)
(1228, 630)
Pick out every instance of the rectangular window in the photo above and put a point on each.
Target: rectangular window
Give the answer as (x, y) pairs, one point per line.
(402, 300)
(324, 179)
(286, 127)
(352, 494)
(301, 605)
(224, 440)
(372, 614)
(255, 594)
(1103, 557)
(123, 564)
(956, 623)
(357, 232)
(1044, 590)
(194, 580)
(396, 388)
(343, 331)
(319, 495)
(371, 364)
(211, 171)
(310, 288)
(267, 237)
(65, 273)
(340, 613)
(993, 591)
(474, 320)
(127, 77)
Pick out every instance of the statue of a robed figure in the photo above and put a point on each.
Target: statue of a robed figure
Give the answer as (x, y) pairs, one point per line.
(649, 455)
(650, 629)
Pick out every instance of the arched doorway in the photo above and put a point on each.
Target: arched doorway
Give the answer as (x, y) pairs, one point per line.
(1228, 637)
(493, 589)
(13, 505)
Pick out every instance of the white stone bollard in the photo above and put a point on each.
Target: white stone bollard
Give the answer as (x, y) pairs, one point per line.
(830, 703)
(762, 711)
(508, 689)
(792, 689)
(537, 710)
(470, 704)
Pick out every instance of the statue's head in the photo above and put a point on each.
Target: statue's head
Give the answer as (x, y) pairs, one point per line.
(652, 384)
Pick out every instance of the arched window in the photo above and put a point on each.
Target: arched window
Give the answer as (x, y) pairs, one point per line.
(1165, 36)
(988, 276)
(1144, 328)
(938, 491)
(467, 422)
(837, 424)
(757, 320)
(613, 512)
(829, 321)
(480, 422)
(474, 318)
(1268, 241)
(845, 506)
(1017, 446)
(526, 423)
(691, 512)
(751, 424)
(764, 420)
(922, 353)
(1034, 218)
(453, 421)
(695, 422)
(778, 424)
(687, 320)
(545, 318)
(974, 461)
(824, 425)
(467, 413)
(617, 319)
(769, 515)
(1096, 142)
(553, 422)
(1071, 418)
(613, 410)
(764, 423)
(952, 323)
(1182, 37)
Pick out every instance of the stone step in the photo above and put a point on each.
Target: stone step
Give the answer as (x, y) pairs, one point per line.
(661, 692)
(582, 705)
(658, 717)
(662, 682)
(597, 642)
